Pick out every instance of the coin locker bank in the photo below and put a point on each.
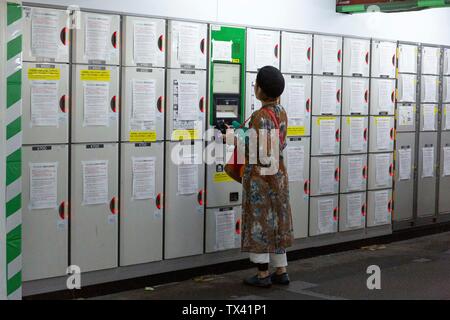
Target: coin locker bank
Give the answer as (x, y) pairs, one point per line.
(122, 178)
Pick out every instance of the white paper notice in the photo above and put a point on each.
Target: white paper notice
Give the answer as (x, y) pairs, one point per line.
(43, 185)
(328, 96)
(96, 96)
(405, 157)
(144, 176)
(325, 218)
(447, 117)
(408, 82)
(447, 90)
(95, 182)
(431, 88)
(357, 97)
(430, 60)
(188, 43)
(405, 115)
(298, 52)
(255, 103)
(354, 206)
(296, 101)
(329, 55)
(144, 43)
(355, 169)
(327, 168)
(446, 169)
(429, 117)
(427, 162)
(356, 134)
(264, 48)
(357, 57)
(97, 37)
(187, 179)
(225, 229)
(386, 54)
(222, 50)
(188, 92)
(327, 136)
(385, 90)
(144, 101)
(44, 34)
(382, 176)
(381, 206)
(44, 103)
(383, 133)
(295, 163)
(408, 59)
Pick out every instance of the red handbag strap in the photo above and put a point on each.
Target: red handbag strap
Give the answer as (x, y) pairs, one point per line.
(275, 121)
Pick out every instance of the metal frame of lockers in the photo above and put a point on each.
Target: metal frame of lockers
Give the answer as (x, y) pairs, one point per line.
(125, 272)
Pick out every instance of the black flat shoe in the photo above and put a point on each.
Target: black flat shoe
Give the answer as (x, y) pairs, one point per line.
(256, 281)
(282, 279)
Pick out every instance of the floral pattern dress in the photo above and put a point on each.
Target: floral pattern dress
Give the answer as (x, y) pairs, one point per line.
(266, 212)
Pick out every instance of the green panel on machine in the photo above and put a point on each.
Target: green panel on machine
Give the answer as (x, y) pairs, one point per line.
(389, 6)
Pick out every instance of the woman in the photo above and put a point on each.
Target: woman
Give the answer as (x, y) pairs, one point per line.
(266, 219)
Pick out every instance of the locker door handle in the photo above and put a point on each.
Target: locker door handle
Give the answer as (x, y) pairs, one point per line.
(308, 105)
(114, 39)
(113, 205)
(158, 201)
(367, 58)
(365, 172)
(62, 210)
(237, 227)
(392, 134)
(393, 96)
(338, 95)
(200, 197)
(335, 213)
(114, 104)
(62, 103)
(366, 96)
(306, 187)
(339, 55)
(161, 43)
(338, 135)
(201, 104)
(202, 46)
(391, 170)
(308, 54)
(393, 60)
(390, 206)
(63, 35)
(159, 104)
(363, 210)
(336, 174)
(276, 51)
(365, 134)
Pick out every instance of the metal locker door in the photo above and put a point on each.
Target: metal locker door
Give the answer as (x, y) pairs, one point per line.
(327, 55)
(191, 128)
(355, 97)
(322, 106)
(324, 215)
(429, 117)
(152, 52)
(444, 180)
(299, 183)
(406, 117)
(184, 213)
(94, 228)
(446, 90)
(404, 185)
(106, 48)
(318, 149)
(107, 129)
(350, 143)
(379, 208)
(187, 47)
(407, 88)
(45, 83)
(252, 104)
(263, 49)
(299, 121)
(381, 134)
(352, 211)
(447, 61)
(407, 58)
(297, 53)
(359, 49)
(349, 173)
(381, 170)
(426, 194)
(228, 238)
(445, 117)
(51, 24)
(330, 183)
(430, 89)
(431, 57)
(382, 98)
(384, 56)
(45, 231)
(141, 210)
(133, 130)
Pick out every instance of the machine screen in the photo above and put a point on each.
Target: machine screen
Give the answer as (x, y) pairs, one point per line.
(227, 78)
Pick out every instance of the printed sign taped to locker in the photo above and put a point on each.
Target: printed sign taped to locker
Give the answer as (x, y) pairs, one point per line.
(190, 134)
(95, 75)
(142, 136)
(296, 131)
(222, 177)
(325, 118)
(44, 74)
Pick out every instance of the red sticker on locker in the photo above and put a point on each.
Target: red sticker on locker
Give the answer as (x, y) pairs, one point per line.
(238, 226)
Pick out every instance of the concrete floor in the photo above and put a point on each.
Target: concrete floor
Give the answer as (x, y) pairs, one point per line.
(412, 269)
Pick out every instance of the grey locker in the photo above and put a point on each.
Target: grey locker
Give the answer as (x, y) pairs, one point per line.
(444, 180)
(350, 88)
(386, 183)
(109, 39)
(331, 226)
(384, 56)
(348, 136)
(404, 188)
(51, 22)
(192, 39)
(315, 176)
(358, 49)
(326, 49)
(213, 243)
(381, 214)
(316, 147)
(184, 213)
(185, 129)
(296, 54)
(406, 117)
(154, 132)
(40, 133)
(373, 138)
(94, 133)
(133, 27)
(352, 211)
(433, 108)
(345, 184)
(433, 95)
(263, 49)
(407, 58)
(94, 228)
(141, 215)
(45, 231)
(426, 192)
(431, 57)
(447, 61)
(446, 90)
(407, 82)
(445, 114)
(298, 126)
(252, 104)
(299, 189)
(382, 97)
(318, 83)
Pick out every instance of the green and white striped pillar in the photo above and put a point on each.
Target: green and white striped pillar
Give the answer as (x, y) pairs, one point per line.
(11, 45)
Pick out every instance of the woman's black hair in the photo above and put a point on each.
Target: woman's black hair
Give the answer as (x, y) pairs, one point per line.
(271, 81)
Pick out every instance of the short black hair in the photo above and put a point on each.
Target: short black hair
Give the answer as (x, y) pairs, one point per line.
(271, 81)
